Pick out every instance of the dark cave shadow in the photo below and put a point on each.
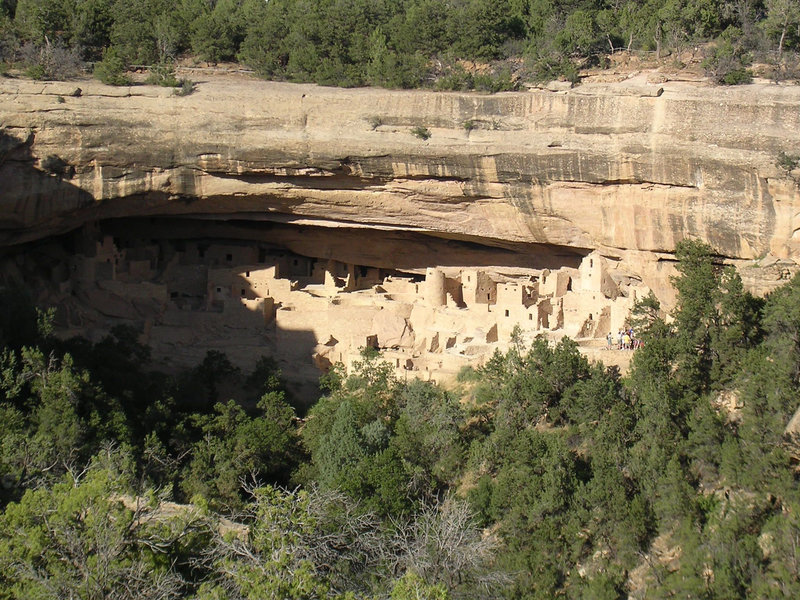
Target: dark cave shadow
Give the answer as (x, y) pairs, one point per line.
(35, 192)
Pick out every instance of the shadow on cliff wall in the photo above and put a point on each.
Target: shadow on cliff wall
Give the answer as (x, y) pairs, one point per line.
(36, 192)
(290, 352)
(382, 248)
(179, 337)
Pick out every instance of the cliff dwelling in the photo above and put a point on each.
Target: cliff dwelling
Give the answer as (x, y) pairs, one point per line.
(300, 229)
(188, 288)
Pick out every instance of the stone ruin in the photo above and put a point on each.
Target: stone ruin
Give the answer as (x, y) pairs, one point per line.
(250, 299)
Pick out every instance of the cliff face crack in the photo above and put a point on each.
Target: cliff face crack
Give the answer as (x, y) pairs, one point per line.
(644, 182)
(325, 180)
(436, 178)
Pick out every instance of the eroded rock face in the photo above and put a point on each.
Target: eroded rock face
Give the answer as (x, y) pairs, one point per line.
(512, 182)
(593, 167)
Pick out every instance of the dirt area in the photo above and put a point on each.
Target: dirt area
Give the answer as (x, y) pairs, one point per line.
(597, 351)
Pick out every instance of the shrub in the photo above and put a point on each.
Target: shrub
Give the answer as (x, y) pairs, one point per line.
(9, 44)
(50, 61)
(186, 87)
(550, 68)
(787, 68)
(737, 77)
(456, 79)
(36, 71)
(787, 162)
(421, 132)
(727, 63)
(111, 70)
(495, 82)
(163, 74)
(392, 69)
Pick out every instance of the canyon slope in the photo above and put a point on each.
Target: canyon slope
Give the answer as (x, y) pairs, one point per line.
(409, 181)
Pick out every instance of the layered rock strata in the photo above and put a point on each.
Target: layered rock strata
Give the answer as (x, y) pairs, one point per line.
(527, 180)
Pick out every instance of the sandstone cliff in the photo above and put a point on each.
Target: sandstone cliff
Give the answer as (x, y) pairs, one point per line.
(627, 169)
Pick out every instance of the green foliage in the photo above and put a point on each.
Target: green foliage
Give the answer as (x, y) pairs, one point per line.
(736, 76)
(412, 587)
(57, 418)
(787, 162)
(391, 69)
(263, 46)
(275, 567)
(456, 78)
(428, 438)
(573, 473)
(782, 324)
(589, 399)
(236, 450)
(341, 450)
(91, 22)
(111, 69)
(499, 81)
(781, 22)
(404, 44)
(480, 29)
(579, 35)
(144, 31)
(715, 318)
(218, 31)
(7, 8)
(359, 461)
(186, 87)
(729, 60)
(164, 75)
(391, 445)
(524, 387)
(548, 68)
(646, 317)
(37, 20)
(205, 380)
(320, 544)
(77, 539)
(421, 132)
(738, 327)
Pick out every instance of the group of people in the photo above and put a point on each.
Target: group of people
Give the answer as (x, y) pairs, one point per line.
(626, 340)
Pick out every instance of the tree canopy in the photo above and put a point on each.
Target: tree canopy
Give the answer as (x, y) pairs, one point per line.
(541, 475)
(401, 43)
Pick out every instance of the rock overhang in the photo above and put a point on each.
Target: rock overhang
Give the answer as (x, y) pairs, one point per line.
(628, 170)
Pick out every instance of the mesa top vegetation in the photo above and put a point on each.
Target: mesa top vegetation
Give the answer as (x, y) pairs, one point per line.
(398, 43)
